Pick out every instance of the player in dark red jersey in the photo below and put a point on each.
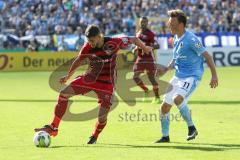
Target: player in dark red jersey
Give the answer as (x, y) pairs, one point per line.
(101, 52)
(145, 62)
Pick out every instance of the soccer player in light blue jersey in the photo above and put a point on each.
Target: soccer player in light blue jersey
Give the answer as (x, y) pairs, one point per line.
(188, 58)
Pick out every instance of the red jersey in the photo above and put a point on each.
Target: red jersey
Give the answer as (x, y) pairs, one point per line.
(148, 38)
(102, 67)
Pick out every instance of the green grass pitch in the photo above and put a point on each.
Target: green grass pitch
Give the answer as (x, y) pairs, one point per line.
(26, 102)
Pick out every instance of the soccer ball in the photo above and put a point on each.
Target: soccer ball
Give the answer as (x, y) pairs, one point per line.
(42, 139)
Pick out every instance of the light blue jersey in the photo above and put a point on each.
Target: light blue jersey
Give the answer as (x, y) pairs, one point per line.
(187, 53)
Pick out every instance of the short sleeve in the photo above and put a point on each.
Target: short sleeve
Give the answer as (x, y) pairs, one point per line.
(197, 46)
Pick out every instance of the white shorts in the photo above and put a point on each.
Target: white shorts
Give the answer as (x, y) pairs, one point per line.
(180, 86)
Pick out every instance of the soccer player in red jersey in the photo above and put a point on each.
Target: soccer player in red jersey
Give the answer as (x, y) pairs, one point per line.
(101, 52)
(146, 61)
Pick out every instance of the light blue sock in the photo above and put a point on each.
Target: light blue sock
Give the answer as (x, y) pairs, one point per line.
(165, 122)
(185, 112)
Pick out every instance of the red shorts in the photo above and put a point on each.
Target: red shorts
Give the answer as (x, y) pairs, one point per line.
(104, 91)
(141, 66)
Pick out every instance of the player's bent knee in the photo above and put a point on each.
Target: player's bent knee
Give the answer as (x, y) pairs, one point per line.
(165, 108)
(67, 92)
(136, 79)
(64, 94)
(154, 82)
(178, 100)
(152, 79)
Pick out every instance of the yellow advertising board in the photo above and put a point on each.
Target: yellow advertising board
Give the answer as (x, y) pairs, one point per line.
(42, 61)
(34, 61)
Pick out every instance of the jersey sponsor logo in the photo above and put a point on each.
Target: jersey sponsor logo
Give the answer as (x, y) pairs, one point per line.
(198, 45)
(182, 57)
(125, 40)
(110, 47)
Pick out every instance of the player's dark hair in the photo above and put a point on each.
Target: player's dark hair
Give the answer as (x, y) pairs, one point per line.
(179, 14)
(92, 31)
(144, 17)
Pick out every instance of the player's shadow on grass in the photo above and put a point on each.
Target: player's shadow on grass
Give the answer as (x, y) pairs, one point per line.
(235, 146)
(214, 102)
(191, 146)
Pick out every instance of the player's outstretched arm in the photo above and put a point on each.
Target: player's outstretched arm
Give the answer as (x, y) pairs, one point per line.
(140, 44)
(76, 63)
(214, 81)
(161, 70)
(171, 65)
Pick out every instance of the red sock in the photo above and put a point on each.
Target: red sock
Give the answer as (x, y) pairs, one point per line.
(155, 90)
(140, 84)
(60, 110)
(56, 121)
(98, 128)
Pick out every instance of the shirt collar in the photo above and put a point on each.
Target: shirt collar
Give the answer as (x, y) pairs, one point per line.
(179, 39)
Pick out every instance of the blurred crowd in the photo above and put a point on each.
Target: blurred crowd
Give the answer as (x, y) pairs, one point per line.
(60, 17)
